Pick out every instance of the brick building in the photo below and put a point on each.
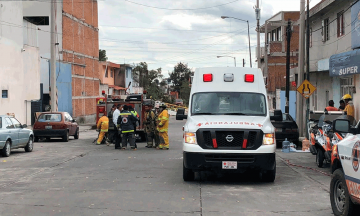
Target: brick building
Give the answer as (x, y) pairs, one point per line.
(273, 54)
(77, 53)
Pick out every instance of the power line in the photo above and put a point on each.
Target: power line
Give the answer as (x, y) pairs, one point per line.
(130, 27)
(149, 6)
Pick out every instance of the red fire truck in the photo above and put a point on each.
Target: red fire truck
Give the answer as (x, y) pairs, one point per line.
(137, 101)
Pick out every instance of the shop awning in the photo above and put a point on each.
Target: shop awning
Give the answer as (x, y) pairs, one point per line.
(345, 64)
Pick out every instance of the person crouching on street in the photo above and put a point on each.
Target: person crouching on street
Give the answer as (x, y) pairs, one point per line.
(103, 127)
(162, 127)
(126, 122)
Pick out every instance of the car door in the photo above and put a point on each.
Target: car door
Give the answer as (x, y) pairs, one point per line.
(13, 132)
(74, 125)
(69, 122)
(23, 134)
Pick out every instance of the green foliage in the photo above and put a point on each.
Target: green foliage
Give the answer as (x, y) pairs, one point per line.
(185, 92)
(181, 73)
(102, 55)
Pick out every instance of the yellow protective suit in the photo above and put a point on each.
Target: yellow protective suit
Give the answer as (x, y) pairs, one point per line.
(162, 127)
(103, 126)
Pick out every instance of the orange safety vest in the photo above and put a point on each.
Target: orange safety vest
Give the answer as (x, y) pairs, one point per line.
(330, 108)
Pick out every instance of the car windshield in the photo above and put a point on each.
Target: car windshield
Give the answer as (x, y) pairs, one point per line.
(228, 103)
(49, 118)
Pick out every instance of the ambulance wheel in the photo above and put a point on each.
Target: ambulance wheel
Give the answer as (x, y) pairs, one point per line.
(320, 158)
(269, 176)
(188, 174)
(341, 203)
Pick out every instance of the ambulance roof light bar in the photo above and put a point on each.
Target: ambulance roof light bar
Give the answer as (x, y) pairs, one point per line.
(207, 77)
(249, 78)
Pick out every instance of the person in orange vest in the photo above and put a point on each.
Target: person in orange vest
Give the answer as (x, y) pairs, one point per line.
(331, 106)
(103, 127)
(163, 127)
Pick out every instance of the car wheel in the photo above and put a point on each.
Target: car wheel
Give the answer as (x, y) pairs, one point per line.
(30, 145)
(269, 176)
(66, 137)
(36, 139)
(5, 152)
(76, 136)
(320, 158)
(188, 174)
(48, 139)
(341, 203)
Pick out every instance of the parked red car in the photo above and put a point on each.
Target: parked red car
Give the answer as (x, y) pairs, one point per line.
(55, 125)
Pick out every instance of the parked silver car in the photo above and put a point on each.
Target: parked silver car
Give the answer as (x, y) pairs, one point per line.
(14, 135)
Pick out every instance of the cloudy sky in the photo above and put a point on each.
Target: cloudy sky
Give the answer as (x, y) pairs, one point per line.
(165, 32)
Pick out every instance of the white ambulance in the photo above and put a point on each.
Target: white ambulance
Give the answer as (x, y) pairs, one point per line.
(228, 127)
(345, 180)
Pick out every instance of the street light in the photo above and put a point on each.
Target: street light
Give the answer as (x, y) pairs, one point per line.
(225, 17)
(229, 57)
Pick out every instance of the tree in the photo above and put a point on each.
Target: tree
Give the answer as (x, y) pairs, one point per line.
(102, 55)
(181, 73)
(185, 92)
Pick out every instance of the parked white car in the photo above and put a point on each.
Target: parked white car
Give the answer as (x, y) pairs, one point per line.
(14, 135)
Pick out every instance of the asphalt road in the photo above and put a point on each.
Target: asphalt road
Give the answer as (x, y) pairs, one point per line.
(80, 178)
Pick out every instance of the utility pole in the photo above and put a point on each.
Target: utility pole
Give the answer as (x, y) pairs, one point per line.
(53, 59)
(243, 62)
(257, 12)
(299, 98)
(288, 37)
(307, 64)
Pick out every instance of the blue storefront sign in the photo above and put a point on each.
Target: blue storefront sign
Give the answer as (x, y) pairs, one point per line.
(355, 26)
(344, 64)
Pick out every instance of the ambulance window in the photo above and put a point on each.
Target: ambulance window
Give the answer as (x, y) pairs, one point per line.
(228, 103)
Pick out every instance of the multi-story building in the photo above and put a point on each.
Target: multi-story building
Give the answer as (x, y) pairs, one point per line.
(108, 70)
(331, 36)
(19, 62)
(77, 48)
(273, 56)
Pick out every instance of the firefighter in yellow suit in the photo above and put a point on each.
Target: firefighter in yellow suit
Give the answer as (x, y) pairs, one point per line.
(103, 126)
(162, 127)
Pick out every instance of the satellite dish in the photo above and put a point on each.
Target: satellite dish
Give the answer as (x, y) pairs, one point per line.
(47, 108)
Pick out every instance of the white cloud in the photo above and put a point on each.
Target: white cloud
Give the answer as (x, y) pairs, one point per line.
(133, 33)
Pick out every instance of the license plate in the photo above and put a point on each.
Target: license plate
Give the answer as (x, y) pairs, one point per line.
(48, 127)
(229, 165)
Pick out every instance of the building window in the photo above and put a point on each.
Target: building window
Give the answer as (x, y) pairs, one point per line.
(112, 72)
(325, 30)
(279, 36)
(310, 37)
(273, 35)
(126, 73)
(38, 20)
(269, 37)
(4, 94)
(347, 86)
(340, 24)
(106, 72)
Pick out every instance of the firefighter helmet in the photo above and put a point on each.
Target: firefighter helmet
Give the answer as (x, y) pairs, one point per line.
(346, 97)
(163, 105)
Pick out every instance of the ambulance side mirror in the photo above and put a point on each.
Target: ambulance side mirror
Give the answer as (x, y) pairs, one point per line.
(342, 126)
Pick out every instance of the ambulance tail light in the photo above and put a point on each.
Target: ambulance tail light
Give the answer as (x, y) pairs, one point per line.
(249, 78)
(190, 138)
(269, 139)
(207, 77)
